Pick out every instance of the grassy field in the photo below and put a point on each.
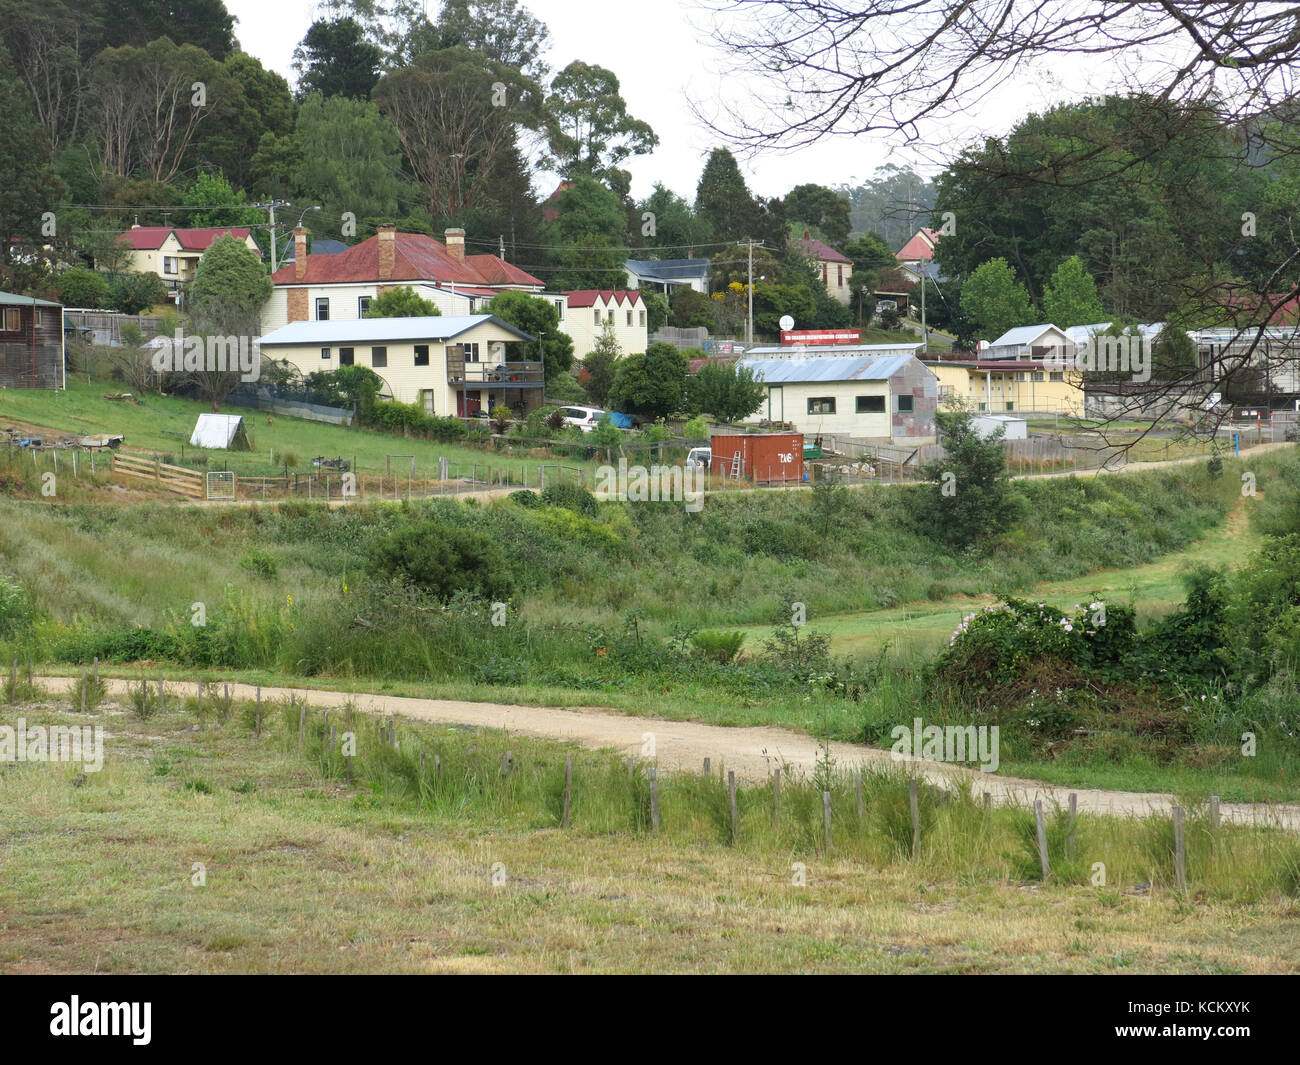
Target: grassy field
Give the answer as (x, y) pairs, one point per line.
(301, 869)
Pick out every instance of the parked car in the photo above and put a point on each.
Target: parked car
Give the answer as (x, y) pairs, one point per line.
(700, 456)
(585, 418)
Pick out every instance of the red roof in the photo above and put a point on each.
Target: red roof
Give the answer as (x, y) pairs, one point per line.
(151, 238)
(921, 246)
(815, 249)
(549, 212)
(586, 297)
(416, 257)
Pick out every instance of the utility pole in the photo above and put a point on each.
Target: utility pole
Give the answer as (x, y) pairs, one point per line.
(925, 336)
(749, 323)
(271, 205)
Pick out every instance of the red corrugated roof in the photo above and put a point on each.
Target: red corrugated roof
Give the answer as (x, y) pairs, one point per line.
(586, 297)
(151, 238)
(815, 249)
(416, 257)
(921, 245)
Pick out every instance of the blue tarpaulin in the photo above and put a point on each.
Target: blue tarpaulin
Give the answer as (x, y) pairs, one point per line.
(620, 421)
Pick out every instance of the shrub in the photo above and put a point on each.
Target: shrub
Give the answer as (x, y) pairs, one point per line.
(525, 498)
(722, 647)
(260, 563)
(15, 610)
(572, 497)
(442, 560)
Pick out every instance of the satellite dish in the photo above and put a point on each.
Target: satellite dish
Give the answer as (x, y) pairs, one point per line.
(786, 323)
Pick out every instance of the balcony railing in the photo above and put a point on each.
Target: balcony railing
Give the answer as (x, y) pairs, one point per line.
(510, 374)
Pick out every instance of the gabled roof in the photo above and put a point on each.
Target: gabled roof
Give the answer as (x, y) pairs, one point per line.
(919, 246)
(669, 269)
(815, 249)
(416, 257)
(151, 238)
(375, 330)
(1026, 334)
(835, 368)
(12, 299)
(587, 297)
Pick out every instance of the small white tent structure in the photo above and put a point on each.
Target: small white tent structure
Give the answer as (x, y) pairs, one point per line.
(221, 431)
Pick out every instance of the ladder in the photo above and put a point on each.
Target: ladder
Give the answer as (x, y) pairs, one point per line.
(735, 465)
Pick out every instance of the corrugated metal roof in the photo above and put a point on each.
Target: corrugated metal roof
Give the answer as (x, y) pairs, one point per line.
(12, 299)
(833, 368)
(367, 330)
(1023, 334)
(826, 350)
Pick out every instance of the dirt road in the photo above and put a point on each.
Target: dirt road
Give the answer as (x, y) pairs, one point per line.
(751, 752)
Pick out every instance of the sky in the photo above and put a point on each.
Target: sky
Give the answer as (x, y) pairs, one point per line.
(664, 60)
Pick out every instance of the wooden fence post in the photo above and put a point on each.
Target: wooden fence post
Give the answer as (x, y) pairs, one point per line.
(776, 794)
(83, 690)
(1069, 837)
(1180, 850)
(162, 696)
(654, 799)
(706, 766)
(302, 722)
(568, 785)
(826, 818)
(1041, 827)
(857, 787)
(731, 795)
(1214, 814)
(258, 718)
(914, 802)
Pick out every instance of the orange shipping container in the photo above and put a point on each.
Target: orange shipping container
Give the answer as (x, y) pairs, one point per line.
(764, 458)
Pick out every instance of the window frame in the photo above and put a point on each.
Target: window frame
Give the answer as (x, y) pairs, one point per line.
(379, 356)
(418, 356)
(911, 404)
(821, 401)
(858, 407)
(322, 302)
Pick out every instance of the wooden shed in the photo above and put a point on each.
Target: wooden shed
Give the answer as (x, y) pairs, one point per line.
(31, 342)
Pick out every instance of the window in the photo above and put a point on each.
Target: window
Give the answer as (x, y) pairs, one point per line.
(1011, 406)
(13, 319)
(169, 264)
(629, 317)
(1056, 375)
(610, 317)
(983, 406)
(379, 357)
(824, 405)
(1021, 376)
(826, 274)
(323, 309)
(324, 353)
(840, 270)
(559, 306)
(595, 316)
(871, 404)
(363, 305)
(1037, 375)
(642, 321)
(421, 354)
(904, 404)
(345, 356)
(471, 352)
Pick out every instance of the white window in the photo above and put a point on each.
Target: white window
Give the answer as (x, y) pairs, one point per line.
(629, 317)
(642, 318)
(363, 305)
(559, 306)
(324, 353)
(169, 264)
(595, 315)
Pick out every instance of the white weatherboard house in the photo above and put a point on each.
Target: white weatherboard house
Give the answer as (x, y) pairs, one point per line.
(1028, 342)
(873, 397)
(449, 365)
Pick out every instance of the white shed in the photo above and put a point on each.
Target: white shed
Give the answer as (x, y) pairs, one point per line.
(988, 424)
(221, 431)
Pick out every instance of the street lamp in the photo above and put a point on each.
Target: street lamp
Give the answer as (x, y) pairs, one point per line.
(304, 214)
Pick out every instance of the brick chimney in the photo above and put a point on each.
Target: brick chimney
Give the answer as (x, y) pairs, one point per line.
(299, 253)
(387, 251)
(455, 240)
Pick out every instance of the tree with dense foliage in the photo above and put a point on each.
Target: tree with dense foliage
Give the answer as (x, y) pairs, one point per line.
(971, 498)
(688, 309)
(822, 209)
(226, 297)
(351, 160)
(588, 128)
(262, 105)
(538, 318)
(335, 59)
(502, 31)
(726, 390)
(218, 204)
(588, 236)
(28, 185)
(652, 384)
(671, 228)
(599, 366)
(442, 560)
(401, 302)
(995, 300)
(79, 287)
(135, 292)
(1070, 297)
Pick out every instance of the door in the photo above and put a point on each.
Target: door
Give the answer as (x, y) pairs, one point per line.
(775, 404)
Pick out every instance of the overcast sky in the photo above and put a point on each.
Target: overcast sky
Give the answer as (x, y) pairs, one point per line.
(662, 60)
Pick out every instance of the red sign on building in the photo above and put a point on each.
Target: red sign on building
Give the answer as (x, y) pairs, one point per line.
(821, 336)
